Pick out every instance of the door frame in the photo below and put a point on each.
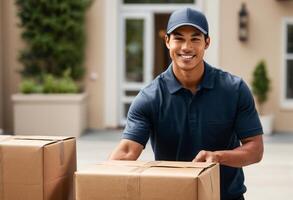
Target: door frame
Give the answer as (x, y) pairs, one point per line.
(137, 11)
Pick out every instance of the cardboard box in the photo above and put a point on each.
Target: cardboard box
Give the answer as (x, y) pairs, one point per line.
(4, 137)
(156, 180)
(37, 168)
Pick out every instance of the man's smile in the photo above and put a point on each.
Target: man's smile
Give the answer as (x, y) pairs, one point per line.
(186, 56)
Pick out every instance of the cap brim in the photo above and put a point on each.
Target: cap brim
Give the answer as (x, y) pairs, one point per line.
(186, 24)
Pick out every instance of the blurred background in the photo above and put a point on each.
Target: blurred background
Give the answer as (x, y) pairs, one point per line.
(124, 50)
(82, 63)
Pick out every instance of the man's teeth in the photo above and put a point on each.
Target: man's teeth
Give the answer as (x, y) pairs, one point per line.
(187, 57)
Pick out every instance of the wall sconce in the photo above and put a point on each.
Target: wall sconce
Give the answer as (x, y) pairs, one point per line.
(243, 23)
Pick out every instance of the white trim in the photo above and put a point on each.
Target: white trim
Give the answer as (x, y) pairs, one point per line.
(212, 12)
(289, 56)
(111, 116)
(285, 103)
(147, 51)
(127, 99)
(149, 48)
(132, 86)
(161, 8)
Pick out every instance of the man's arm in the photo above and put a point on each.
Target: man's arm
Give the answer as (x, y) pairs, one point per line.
(126, 150)
(250, 152)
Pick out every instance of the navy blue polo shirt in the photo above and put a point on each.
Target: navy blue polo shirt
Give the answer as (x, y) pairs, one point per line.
(180, 124)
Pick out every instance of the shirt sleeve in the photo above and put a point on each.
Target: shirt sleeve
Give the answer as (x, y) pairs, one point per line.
(138, 124)
(247, 119)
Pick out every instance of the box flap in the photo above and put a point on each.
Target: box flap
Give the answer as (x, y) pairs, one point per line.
(39, 141)
(175, 164)
(25, 142)
(5, 137)
(41, 137)
(153, 168)
(21, 170)
(59, 167)
(209, 184)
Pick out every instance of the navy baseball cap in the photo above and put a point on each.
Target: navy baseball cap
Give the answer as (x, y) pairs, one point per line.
(188, 17)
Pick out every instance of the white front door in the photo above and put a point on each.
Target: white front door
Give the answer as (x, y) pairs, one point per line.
(138, 46)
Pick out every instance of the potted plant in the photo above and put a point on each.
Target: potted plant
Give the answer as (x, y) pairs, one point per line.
(51, 99)
(260, 88)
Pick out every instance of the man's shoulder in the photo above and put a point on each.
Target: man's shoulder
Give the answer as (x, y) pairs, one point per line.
(226, 79)
(152, 89)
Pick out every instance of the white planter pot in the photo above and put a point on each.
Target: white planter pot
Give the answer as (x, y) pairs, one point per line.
(49, 114)
(267, 124)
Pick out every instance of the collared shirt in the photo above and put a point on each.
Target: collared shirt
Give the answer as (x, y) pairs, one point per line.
(180, 124)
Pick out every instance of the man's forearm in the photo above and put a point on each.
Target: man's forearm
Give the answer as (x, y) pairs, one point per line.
(126, 150)
(237, 157)
(250, 152)
(122, 155)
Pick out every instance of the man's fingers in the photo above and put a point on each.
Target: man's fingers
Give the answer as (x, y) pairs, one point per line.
(200, 157)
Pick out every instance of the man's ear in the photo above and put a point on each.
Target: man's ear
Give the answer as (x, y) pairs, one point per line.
(167, 41)
(208, 41)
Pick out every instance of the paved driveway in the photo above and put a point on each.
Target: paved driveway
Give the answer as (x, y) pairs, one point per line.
(271, 179)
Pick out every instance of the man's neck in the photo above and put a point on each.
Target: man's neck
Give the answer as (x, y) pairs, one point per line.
(190, 79)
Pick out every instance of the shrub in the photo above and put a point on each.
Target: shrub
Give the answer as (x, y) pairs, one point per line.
(260, 83)
(54, 33)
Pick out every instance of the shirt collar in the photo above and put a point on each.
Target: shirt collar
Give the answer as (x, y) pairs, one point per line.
(173, 84)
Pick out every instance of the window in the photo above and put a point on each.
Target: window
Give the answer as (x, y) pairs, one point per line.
(134, 50)
(289, 61)
(287, 97)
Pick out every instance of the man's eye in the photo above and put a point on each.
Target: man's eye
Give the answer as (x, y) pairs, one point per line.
(195, 39)
(177, 38)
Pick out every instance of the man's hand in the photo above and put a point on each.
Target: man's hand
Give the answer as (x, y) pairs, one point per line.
(206, 156)
(251, 151)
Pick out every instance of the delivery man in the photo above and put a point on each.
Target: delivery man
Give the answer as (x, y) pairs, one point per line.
(195, 112)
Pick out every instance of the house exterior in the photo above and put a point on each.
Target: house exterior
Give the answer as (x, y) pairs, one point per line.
(125, 51)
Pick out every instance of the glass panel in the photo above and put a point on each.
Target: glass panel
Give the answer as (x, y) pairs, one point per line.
(159, 1)
(289, 92)
(131, 93)
(134, 50)
(126, 108)
(290, 39)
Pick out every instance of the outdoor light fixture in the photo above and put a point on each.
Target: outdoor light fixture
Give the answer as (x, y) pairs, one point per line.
(243, 23)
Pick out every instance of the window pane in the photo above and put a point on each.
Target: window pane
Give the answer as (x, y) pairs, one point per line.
(290, 39)
(289, 92)
(134, 50)
(131, 93)
(126, 108)
(159, 1)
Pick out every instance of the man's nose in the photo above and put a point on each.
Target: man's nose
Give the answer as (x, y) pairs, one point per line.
(187, 46)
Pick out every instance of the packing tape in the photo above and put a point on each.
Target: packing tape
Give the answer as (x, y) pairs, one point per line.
(133, 181)
(61, 154)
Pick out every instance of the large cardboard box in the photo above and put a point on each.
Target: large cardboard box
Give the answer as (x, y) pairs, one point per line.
(155, 180)
(4, 137)
(37, 168)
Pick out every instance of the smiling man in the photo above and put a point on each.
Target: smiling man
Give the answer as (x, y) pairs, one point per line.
(195, 112)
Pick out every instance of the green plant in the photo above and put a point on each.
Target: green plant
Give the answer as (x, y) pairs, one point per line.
(54, 33)
(29, 85)
(47, 83)
(260, 83)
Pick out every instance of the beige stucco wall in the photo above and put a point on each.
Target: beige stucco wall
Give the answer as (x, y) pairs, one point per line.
(265, 42)
(1, 67)
(11, 45)
(94, 63)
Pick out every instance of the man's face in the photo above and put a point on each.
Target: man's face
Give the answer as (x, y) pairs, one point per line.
(186, 47)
